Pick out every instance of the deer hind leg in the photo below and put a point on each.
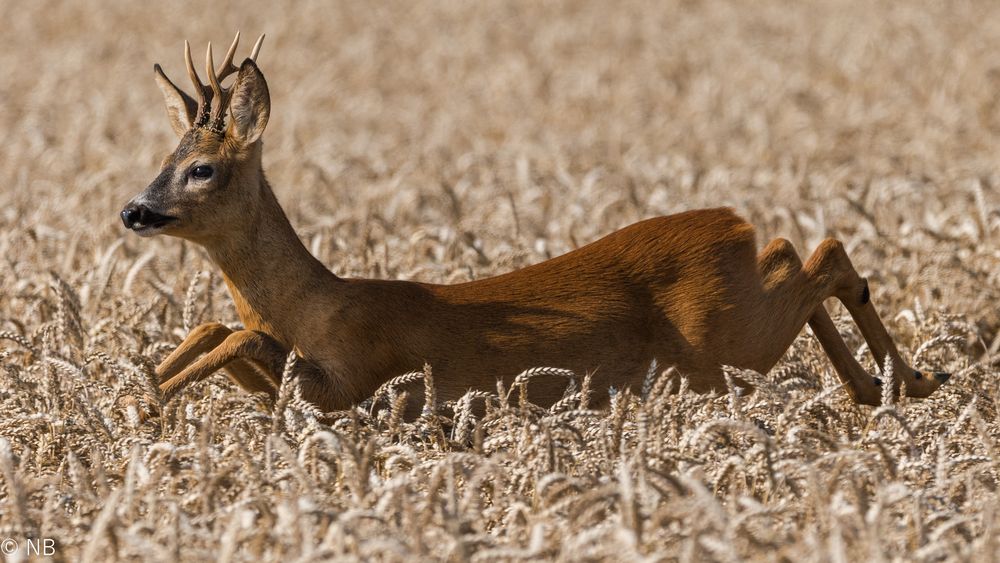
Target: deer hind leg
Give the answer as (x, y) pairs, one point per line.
(787, 303)
(830, 269)
(862, 387)
(795, 298)
(258, 359)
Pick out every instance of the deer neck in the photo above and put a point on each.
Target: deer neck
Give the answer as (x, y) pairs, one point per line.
(274, 281)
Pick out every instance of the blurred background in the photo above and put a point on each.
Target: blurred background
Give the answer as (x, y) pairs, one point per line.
(452, 140)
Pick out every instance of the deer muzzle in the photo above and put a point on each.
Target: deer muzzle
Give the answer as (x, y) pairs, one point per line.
(141, 219)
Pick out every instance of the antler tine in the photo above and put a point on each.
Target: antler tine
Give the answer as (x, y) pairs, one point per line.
(213, 79)
(193, 75)
(227, 66)
(256, 48)
(212, 104)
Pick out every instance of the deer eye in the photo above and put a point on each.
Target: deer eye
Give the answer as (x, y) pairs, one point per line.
(202, 172)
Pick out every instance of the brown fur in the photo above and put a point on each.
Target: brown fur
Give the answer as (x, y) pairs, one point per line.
(688, 290)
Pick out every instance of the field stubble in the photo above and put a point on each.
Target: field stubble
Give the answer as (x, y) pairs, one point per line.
(446, 142)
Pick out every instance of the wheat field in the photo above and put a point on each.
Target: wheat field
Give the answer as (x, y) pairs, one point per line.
(450, 141)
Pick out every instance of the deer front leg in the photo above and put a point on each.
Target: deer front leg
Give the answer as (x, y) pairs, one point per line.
(201, 339)
(252, 359)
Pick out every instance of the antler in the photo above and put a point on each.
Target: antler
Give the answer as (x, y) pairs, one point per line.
(213, 99)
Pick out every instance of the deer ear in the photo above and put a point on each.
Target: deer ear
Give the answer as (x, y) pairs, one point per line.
(250, 104)
(181, 108)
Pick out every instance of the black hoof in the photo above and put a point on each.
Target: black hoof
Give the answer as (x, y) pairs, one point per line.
(942, 376)
(866, 295)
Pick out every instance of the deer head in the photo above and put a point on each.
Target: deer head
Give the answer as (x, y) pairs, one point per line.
(214, 175)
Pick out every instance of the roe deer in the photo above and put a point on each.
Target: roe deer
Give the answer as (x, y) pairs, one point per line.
(688, 290)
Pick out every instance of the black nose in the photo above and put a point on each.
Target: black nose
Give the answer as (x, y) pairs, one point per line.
(137, 216)
(132, 215)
